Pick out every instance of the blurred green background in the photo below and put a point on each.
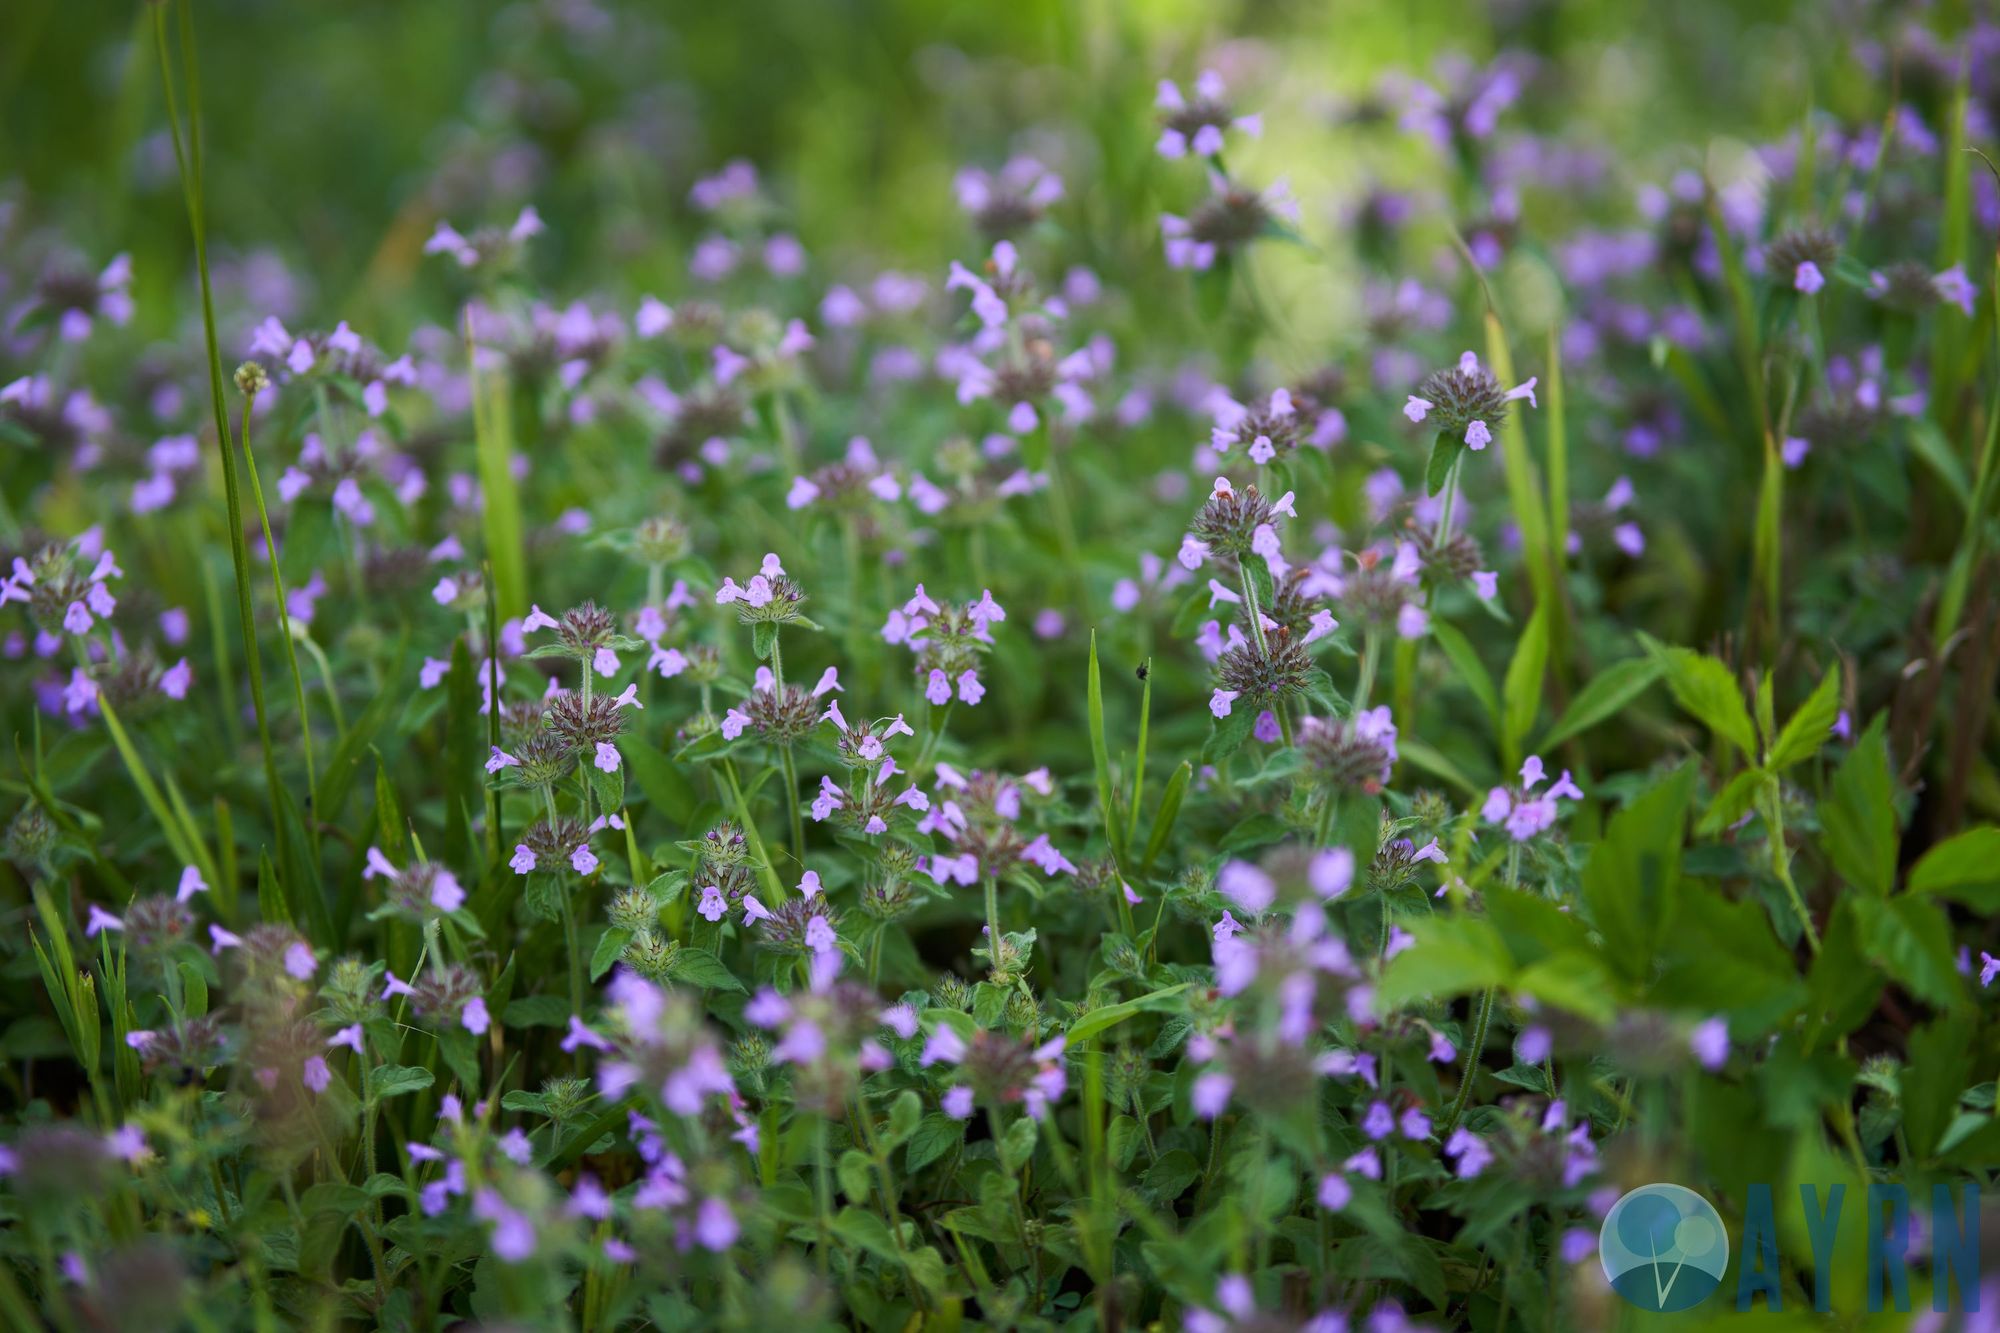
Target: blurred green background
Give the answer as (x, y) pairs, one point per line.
(338, 133)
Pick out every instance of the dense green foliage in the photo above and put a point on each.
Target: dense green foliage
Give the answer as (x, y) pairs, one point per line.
(815, 665)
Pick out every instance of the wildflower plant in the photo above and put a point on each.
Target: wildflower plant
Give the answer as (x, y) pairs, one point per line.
(1015, 724)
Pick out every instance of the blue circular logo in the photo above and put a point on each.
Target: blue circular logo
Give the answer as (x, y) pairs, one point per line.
(1663, 1248)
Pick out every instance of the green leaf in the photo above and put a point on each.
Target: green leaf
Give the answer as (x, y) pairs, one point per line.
(500, 509)
(1607, 694)
(1433, 761)
(1733, 801)
(1229, 734)
(1808, 728)
(1168, 1178)
(1169, 811)
(1465, 660)
(865, 1231)
(936, 1136)
(1844, 988)
(1858, 817)
(905, 1113)
(1445, 451)
(1631, 881)
(536, 1011)
(1705, 688)
(395, 1080)
(1722, 957)
(1939, 1068)
(1909, 939)
(610, 945)
(1577, 981)
(665, 787)
(461, 1054)
(610, 788)
(1100, 757)
(1965, 869)
(699, 967)
(1453, 955)
(1097, 1020)
(1257, 574)
(763, 637)
(333, 1196)
(1018, 1144)
(1522, 690)
(853, 1171)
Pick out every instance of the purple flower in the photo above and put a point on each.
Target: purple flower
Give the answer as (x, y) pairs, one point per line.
(1209, 1096)
(1477, 436)
(1247, 886)
(474, 1018)
(938, 691)
(715, 1226)
(1955, 288)
(1334, 1192)
(607, 758)
(1219, 703)
(523, 859)
(957, 1103)
(513, 1233)
(1807, 278)
(1710, 1043)
(1331, 872)
(101, 920)
(191, 884)
(580, 1034)
(713, 906)
(1471, 1152)
(583, 860)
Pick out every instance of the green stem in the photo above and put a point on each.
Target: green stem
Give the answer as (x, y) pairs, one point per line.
(573, 949)
(285, 619)
(1371, 656)
(1781, 865)
(187, 154)
(993, 925)
(1472, 1057)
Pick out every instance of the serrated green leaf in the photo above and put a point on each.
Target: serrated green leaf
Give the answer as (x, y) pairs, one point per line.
(610, 945)
(1606, 695)
(937, 1135)
(1521, 693)
(1909, 939)
(1858, 817)
(699, 967)
(1705, 688)
(395, 1080)
(1806, 731)
(1965, 869)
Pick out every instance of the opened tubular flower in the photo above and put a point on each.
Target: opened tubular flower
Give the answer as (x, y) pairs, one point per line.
(1195, 125)
(1230, 218)
(1522, 811)
(1455, 401)
(770, 597)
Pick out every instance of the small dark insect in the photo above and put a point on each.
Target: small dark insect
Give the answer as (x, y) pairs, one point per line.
(1143, 669)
